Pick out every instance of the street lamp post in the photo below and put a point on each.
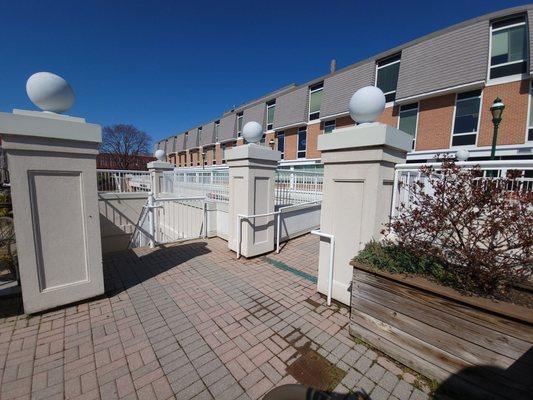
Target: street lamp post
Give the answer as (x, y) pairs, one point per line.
(496, 110)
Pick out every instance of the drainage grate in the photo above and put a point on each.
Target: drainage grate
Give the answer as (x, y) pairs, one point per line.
(313, 370)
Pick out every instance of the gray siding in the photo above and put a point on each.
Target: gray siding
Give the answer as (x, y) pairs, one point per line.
(226, 130)
(453, 58)
(255, 113)
(171, 145)
(206, 138)
(339, 88)
(160, 145)
(291, 108)
(180, 142)
(192, 139)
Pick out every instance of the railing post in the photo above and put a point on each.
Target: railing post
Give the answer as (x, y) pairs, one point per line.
(156, 169)
(151, 220)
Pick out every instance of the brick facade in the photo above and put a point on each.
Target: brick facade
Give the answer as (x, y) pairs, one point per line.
(435, 119)
(512, 129)
(291, 144)
(312, 140)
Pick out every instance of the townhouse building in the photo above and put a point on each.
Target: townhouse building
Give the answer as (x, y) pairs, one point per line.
(439, 88)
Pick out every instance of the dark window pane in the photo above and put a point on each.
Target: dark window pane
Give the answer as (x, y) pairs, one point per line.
(466, 95)
(314, 116)
(508, 21)
(388, 60)
(530, 134)
(506, 70)
(388, 78)
(465, 124)
(390, 97)
(463, 140)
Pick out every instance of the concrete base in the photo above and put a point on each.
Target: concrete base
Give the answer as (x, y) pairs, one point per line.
(357, 194)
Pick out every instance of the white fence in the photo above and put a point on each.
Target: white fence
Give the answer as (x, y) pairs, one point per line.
(213, 184)
(407, 174)
(297, 187)
(123, 181)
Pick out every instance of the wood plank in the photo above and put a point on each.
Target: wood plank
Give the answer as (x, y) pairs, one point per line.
(420, 310)
(423, 357)
(491, 321)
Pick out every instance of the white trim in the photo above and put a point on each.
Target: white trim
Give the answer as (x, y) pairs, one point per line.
(528, 112)
(465, 87)
(507, 79)
(335, 116)
(297, 124)
(314, 122)
(483, 151)
(300, 161)
(501, 28)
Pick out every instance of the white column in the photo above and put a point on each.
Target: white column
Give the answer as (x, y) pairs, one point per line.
(156, 169)
(252, 175)
(52, 164)
(358, 181)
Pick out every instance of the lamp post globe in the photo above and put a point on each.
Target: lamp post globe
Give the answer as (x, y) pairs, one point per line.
(159, 154)
(252, 132)
(367, 104)
(50, 92)
(462, 155)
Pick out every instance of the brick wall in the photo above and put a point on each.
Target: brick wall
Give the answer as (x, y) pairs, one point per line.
(435, 120)
(512, 129)
(389, 116)
(291, 144)
(312, 140)
(344, 122)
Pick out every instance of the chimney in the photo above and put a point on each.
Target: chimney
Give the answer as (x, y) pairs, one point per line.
(332, 66)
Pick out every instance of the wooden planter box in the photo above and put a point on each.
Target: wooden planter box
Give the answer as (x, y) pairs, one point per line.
(471, 343)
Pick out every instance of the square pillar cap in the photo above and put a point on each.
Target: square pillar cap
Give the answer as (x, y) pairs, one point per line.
(160, 165)
(366, 135)
(49, 125)
(253, 151)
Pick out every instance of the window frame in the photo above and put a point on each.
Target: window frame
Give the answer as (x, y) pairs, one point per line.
(317, 87)
(240, 119)
(387, 64)
(282, 135)
(301, 129)
(199, 131)
(270, 104)
(452, 146)
(417, 119)
(334, 121)
(223, 149)
(526, 55)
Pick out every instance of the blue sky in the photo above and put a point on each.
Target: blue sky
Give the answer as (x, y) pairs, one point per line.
(166, 66)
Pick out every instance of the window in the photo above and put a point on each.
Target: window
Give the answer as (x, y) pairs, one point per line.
(213, 155)
(508, 51)
(223, 148)
(239, 124)
(302, 141)
(217, 126)
(409, 119)
(329, 126)
(198, 136)
(530, 122)
(315, 100)
(466, 121)
(271, 109)
(281, 143)
(387, 71)
(262, 142)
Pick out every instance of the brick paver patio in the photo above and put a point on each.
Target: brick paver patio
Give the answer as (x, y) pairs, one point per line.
(190, 321)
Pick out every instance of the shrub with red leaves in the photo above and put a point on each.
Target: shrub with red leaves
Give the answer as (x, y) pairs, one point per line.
(480, 229)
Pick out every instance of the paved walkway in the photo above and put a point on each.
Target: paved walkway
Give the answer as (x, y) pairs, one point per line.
(190, 321)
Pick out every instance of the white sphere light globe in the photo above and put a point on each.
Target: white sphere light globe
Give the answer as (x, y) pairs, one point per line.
(160, 154)
(252, 132)
(50, 92)
(367, 104)
(462, 155)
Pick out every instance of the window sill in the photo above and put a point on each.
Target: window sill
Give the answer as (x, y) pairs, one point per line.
(507, 79)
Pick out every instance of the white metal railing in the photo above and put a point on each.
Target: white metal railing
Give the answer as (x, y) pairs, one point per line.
(123, 181)
(407, 174)
(296, 187)
(213, 184)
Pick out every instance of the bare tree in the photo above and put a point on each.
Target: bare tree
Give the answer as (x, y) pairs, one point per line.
(125, 142)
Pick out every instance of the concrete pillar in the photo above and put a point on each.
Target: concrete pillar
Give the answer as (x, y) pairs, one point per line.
(252, 175)
(156, 169)
(358, 182)
(52, 164)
